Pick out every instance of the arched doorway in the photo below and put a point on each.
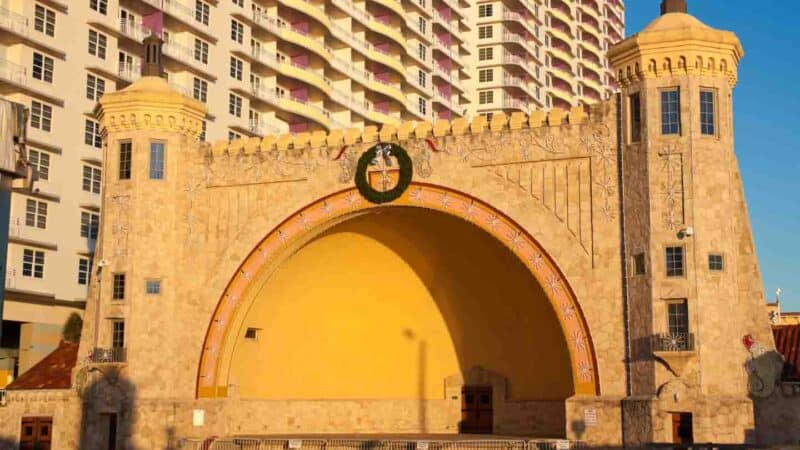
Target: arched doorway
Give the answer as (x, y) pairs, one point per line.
(346, 300)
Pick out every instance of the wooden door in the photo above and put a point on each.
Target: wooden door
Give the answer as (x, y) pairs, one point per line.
(682, 430)
(476, 410)
(36, 433)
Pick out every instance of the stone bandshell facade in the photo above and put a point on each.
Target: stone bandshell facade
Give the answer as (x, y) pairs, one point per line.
(567, 192)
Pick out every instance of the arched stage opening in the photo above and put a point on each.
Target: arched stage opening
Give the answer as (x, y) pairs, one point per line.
(399, 306)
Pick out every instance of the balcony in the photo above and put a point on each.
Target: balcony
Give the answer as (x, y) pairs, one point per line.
(673, 349)
(262, 128)
(114, 355)
(132, 29)
(184, 14)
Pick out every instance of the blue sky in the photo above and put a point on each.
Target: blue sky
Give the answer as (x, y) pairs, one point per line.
(766, 121)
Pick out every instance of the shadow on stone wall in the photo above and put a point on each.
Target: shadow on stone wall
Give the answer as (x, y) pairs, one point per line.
(108, 410)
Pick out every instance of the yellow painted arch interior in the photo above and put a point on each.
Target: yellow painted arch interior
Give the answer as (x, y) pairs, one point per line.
(388, 304)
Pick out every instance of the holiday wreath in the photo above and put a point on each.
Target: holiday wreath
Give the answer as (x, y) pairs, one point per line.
(373, 156)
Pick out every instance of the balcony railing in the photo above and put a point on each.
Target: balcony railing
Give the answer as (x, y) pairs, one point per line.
(114, 355)
(133, 29)
(13, 72)
(129, 72)
(13, 21)
(673, 342)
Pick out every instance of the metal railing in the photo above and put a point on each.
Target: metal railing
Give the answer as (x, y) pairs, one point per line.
(374, 444)
(673, 342)
(108, 355)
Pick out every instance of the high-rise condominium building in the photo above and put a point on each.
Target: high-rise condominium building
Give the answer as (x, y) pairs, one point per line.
(537, 55)
(263, 67)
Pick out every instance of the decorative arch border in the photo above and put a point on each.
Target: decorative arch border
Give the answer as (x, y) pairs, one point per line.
(344, 203)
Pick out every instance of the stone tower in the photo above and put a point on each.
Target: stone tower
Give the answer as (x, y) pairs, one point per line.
(146, 128)
(692, 275)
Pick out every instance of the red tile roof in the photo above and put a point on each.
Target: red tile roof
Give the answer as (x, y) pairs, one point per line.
(787, 342)
(52, 372)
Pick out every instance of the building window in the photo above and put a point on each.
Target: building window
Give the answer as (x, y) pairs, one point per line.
(117, 333)
(677, 317)
(233, 136)
(41, 162)
(201, 51)
(97, 44)
(44, 20)
(423, 25)
(41, 116)
(200, 90)
(35, 213)
(125, 154)
(636, 117)
(201, 12)
(485, 75)
(236, 68)
(100, 6)
(423, 79)
(639, 264)
(423, 106)
(423, 52)
(235, 105)
(674, 261)
(95, 87)
(707, 112)
(42, 67)
(84, 269)
(239, 3)
(485, 10)
(485, 32)
(485, 53)
(670, 112)
(118, 287)
(716, 263)
(32, 263)
(91, 134)
(237, 31)
(485, 97)
(152, 287)
(91, 179)
(90, 224)
(157, 160)
(251, 333)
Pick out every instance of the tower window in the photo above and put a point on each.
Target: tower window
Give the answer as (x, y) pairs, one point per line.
(674, 261)
(639, 264)
(125, 153)
(117, 334)
(636, 117)
(670, 112)
(716, 263)
(157, 160)
(677, 317)
(153, 287)
(118, 288)
(707, 112)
